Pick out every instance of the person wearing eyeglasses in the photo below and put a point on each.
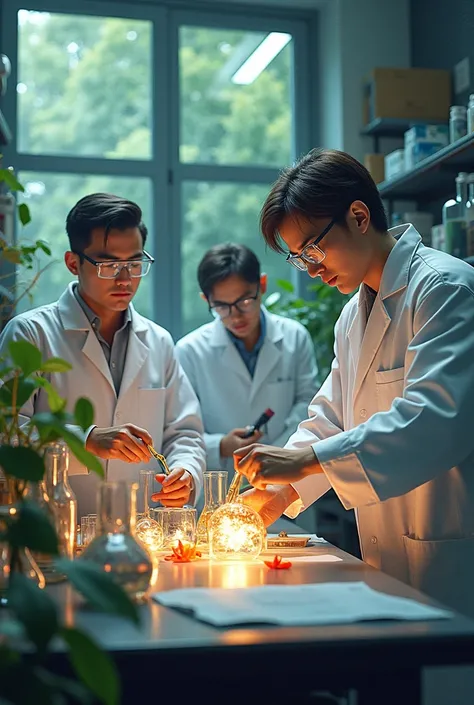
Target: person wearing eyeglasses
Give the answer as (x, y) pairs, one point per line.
(391, 429)
(123, 362)
(246, 360)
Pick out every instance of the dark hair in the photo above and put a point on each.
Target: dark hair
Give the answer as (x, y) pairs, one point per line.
(222, 261)
(101, 210)
(321, 184)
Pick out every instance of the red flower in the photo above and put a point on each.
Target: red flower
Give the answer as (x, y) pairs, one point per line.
(183, 553)
(278, 563)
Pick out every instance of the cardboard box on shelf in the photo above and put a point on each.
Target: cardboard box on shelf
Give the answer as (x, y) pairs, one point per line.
(394, 164)
(417, 94)
(375, 165)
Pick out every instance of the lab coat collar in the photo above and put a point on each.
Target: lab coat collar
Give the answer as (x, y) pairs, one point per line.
(397, 267)
(74, 318)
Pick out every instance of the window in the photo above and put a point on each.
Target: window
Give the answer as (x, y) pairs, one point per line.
(191, 113)
(84, 85)
(230, 120)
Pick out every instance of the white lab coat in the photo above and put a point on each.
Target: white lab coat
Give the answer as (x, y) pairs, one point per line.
(393, 424)
(284, 381)
(154, 394)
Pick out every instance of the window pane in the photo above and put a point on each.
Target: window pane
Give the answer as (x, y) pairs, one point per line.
(50, 197)
(214, 213)
(84, 85)
(229, 122)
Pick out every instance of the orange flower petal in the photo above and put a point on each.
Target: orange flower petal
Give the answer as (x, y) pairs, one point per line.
(278, 563)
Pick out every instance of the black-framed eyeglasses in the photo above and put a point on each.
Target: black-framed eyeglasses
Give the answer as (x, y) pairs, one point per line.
(245, 304)
(111, 269)
(311, 253)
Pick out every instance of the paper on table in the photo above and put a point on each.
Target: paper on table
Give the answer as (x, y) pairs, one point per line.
(321, 558)
(294, 605)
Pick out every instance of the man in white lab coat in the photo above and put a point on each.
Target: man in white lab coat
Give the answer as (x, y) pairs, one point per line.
(247, 360)
(124, 363)
(391, 429)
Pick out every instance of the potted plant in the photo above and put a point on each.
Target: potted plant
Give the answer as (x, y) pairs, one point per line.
(33, 620)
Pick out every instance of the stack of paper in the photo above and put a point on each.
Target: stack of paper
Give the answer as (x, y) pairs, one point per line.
(296, 605)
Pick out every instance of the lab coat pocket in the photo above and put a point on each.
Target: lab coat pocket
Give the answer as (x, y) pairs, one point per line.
(443, 570)
(151, 411)
(388, 386)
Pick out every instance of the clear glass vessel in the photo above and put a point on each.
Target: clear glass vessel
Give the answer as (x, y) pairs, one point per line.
(215, 489)
(115, 547)
(236, 532)
(148, 529)
(178, 524)
(56, 460)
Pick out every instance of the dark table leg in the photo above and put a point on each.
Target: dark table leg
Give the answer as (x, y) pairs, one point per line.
(397, 687)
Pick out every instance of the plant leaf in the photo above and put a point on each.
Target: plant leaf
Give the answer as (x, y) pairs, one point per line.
(12, 255)
(285, 285)
(35, 609)
(84, 413)
(24, 214)
(43, 245)
(94, 666)
(33, 529)
(55, 364)
(55, 401)
(99, 588)
(70, 687)
(9, 178)
(25, 355)
(77, 447)
(25, 387)
(21, 462)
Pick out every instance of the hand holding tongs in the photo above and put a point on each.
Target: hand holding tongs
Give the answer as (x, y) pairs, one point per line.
(160, 458)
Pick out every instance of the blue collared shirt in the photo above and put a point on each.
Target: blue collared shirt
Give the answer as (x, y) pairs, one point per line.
(250, 356)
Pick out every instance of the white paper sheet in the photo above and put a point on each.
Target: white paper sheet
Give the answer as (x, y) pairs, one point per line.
(321, 558)
(296, 605)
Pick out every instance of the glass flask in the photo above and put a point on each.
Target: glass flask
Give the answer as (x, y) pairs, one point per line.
(37, 492)
(236, 532)
(115, 547)
(21, 561)
(147, 529)
(56, 460)
(214, 497)
(178, 524)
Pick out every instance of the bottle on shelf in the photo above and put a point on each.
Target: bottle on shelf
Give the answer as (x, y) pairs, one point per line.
(454, 218)
(470, 114)
(470, 217)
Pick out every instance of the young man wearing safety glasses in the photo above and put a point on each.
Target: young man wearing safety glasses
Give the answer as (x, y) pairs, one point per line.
(391, 429)
(124, 363)
(247, 360)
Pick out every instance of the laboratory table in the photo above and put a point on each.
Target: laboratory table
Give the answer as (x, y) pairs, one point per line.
(176, 658)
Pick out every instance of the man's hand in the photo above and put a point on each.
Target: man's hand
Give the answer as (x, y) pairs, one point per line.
(233, 441)
(265, 465)
(127, 443)
(271, 502)
(176, 488)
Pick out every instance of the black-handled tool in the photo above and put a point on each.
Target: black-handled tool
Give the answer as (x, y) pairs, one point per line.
(261, 421)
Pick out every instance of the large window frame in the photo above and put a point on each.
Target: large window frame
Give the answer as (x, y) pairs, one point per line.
(164, 169)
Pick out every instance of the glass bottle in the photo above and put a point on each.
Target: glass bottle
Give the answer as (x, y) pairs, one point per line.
(56, 460)
(37, 492)
(454, 218)
(457, 122)
(147, 529)
(470, 217)
(470, 114)
(21, 560)
(236, 532)
(214, 496)
(115, 548)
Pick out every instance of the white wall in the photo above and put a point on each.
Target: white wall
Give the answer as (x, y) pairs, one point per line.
(353, 37)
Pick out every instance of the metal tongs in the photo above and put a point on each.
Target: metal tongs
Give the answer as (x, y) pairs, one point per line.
(160, 458)
(234, 488)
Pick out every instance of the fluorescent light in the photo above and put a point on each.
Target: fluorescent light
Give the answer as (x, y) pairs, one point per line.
(261, 57)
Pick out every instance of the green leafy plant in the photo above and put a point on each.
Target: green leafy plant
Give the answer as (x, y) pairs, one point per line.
(27, 635)
(20, 253)
(318, 314)
(33, 621)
